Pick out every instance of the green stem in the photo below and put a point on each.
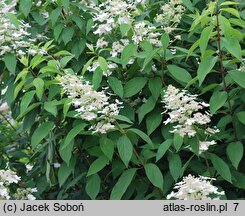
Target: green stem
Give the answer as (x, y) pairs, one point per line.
(6, 119)
(222, 71)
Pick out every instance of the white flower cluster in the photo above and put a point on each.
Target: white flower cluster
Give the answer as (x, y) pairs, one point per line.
(184, 109)
(95, 65)
(7, 177)
(25, 194)
(170, 15)
(110, 14)
(195, 188)
(143, 31)
(91, 105)
(12, 39)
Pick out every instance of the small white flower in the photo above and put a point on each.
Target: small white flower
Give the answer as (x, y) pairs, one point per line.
(56, 165)
(101, 43)
(30, 197)
(45, 15)
(29, 167)
(203, 145)
(34, 190)
(39, 3)
(177, 37)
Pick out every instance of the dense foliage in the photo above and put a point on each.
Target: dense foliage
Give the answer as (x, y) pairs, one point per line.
(123, 99)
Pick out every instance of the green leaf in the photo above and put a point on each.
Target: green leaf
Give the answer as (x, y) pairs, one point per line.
(124, 28)
(205, 36)
(63, 173)
(147, 107)
(57, 31)
(195, 145)
(25, 6)
(66, 152)
(165, 40)
(29, 109)
(107, 147)
(18, 88)
(142, 135)
(232, 11)
(233, 46)
(66, 4)
(55, 15)
(188, 4)
(38, 18)
(153, 120)
(239, 179)
(134, 85)
(178, 141)
(66, 106)
(37, 60)
(93, 186)
(123, 118)
(147, 47)
(103, 64)
(65, 60)
(122, 184)
(191, 50)
(154, 175)
(175, 166)
(41, 132)
(237, 22)
(73, 133)
(78, 20)
(116, 86)
(51, 107)
(155, 86)
(26, 100)
(10, 62)
(238, 77)
(67, 34)
(228, 3)
(180, 74)
(39, 85)
(163, 148)
(125, 149)
(235, 153)
(97, 78)
(89, 25)
(78, 47)
(98, 165)
(217, 100)
(241, 116)
(221, 167)
(149, 56)
(13, 19)
(205, 67)
(128, 52)
(87, 65)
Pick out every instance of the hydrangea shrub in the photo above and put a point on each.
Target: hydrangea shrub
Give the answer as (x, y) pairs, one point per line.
(124, 99)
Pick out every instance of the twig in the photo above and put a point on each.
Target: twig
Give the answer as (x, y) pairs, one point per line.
(222, 71)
